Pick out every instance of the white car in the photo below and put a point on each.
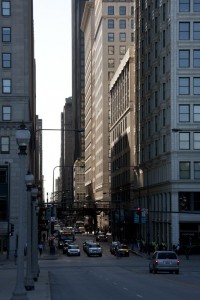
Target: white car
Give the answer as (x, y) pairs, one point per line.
(94, 249)
(73, 250)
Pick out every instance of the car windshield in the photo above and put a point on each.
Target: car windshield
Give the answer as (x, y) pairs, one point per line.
(73, 247)
(94, 246)
(123, 247)
(167, 255)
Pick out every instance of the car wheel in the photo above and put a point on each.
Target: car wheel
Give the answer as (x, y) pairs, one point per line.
(150, 270)
(177, 272)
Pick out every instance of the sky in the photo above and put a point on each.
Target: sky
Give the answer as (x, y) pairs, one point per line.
(52, 33)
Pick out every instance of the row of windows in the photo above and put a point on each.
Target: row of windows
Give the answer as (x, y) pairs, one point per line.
(111, 50)
(185, 113)
(185, 140)
(185, 5)
(122, 10)
(185, 170)
(122, 24)
(185, 84)
(122, 37)
(185, 59)
(184, 31)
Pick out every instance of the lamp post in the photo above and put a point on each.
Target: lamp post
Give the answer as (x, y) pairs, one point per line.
(22, 137)
(29, 283)
(34, 241)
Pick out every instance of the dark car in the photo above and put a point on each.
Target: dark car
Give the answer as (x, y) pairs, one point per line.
(122, 250)
(66, 245)
(164, 261)
(86, 243)
(101, 238)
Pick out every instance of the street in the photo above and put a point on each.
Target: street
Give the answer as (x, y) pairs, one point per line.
(108, 277)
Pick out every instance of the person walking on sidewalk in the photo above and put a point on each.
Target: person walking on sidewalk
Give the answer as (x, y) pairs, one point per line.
(40, 248)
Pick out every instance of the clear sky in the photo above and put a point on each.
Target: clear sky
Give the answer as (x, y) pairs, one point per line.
(52, 26)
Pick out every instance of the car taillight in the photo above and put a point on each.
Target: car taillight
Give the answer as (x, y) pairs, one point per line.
(156, 262)
(178, 262)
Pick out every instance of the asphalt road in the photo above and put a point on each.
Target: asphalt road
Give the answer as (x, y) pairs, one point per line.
(111, 278)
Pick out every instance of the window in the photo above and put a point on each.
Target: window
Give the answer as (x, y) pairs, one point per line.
(164, 143)
(122, 37)
(6, 34)
(196, 5)
(110, 10)
(184, 58)
(132, 23)
(164, 65)
(184, 170)
(156, 49)
(196, 58)
(122, 50)
(5, 8)
(111, 63)
(184, 113)
(196, 31)
(184, 201)
(156, 147)
(163, 38)
(164, 117)
(164, 91)
(156, 123)
(110, 23)
(196, 85)
(5, 144)
(196, 137)
(184, 5)
(122, 24)
(184, 141)
(6, 86)
(111, 37)
(196, 170)
(122, 10)
(184, 31)
(110, 50)
(196, 113)
(184, 86)
(110, 75)
(164, 12)
(156, 25)
(156, 74)
(6, 60)
(6, 113)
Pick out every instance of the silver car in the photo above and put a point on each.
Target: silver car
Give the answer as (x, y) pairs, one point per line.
(164, 261)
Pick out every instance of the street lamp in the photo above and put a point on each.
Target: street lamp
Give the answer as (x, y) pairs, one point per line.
(29, 283)
(22, 138)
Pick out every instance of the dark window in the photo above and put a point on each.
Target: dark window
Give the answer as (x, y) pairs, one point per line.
(196, 31)
(110, 10)
(184, 58)
(122, 10)
(184, 31)
(110, 23)
(5, 144)
(6, 86)
(196, 5)
(122, 24)
(184, 170)
(184, 201)
(196, 58)
(184, 113)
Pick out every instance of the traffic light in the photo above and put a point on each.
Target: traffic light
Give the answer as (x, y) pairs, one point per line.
(139, 211)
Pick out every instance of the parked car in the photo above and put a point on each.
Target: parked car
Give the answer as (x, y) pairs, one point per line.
(73, 250)
(164, 261)
(122, 250)
(101, 237)
(94, 249)
(113, 247)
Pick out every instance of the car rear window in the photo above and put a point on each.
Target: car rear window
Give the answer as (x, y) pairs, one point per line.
(167, 256)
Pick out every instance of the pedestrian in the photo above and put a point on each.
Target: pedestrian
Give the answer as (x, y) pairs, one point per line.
(44, 237)
(40, 248)
(177, 249)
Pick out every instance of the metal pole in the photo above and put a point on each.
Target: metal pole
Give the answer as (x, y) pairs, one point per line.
(19, 292)
(29, 283)
(35, 266)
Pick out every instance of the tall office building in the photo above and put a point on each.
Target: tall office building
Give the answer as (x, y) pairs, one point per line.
(167, 39)
(78, 77)
(17, 105)
(108, 31)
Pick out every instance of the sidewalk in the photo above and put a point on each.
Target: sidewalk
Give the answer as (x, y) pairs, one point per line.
(8, 275)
